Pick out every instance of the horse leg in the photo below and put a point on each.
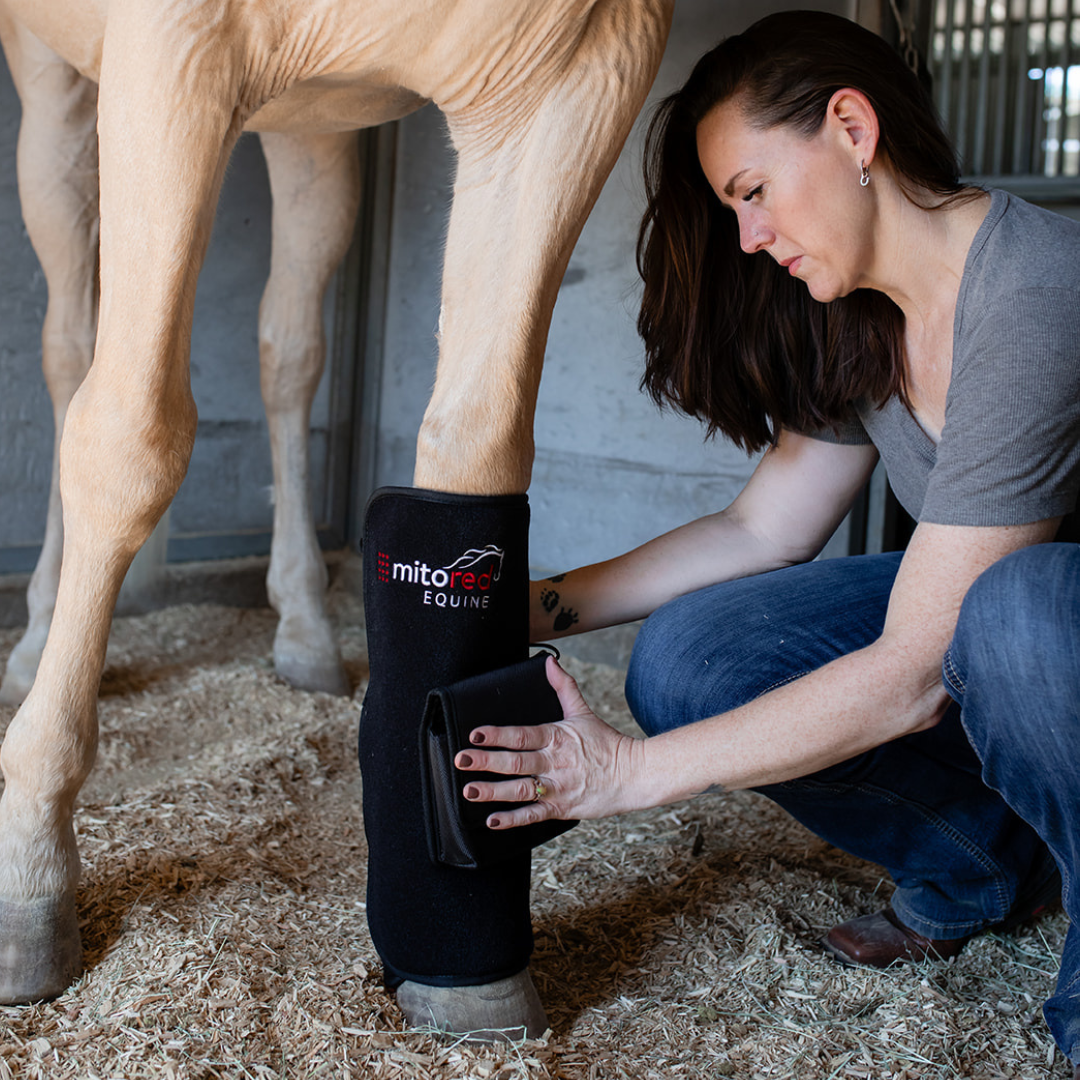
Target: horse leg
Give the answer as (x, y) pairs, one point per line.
(57, 172)
(455, 942)
(167, 119)
(315, 183)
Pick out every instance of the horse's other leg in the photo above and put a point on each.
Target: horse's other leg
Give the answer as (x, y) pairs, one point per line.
(457, 942)
(315, 183)
(57, 171)
(166, 121)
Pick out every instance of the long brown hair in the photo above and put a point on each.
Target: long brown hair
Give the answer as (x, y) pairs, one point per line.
(732, 338)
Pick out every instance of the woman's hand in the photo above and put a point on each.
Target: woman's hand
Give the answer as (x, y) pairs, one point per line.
(586, 767)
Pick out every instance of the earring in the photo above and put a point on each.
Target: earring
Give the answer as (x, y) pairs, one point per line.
(865, 178)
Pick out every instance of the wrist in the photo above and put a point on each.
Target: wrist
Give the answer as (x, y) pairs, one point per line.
(642, 778)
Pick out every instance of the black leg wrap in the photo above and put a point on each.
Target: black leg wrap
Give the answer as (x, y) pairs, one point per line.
(445, 597)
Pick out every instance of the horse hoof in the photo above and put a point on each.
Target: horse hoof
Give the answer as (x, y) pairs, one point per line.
(502, 1011)
(40, 949)
(330, 678)
(306, 654)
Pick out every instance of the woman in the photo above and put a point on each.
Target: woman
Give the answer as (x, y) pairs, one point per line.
(919, 711)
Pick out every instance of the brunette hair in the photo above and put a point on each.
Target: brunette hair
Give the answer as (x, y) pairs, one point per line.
(732, 338)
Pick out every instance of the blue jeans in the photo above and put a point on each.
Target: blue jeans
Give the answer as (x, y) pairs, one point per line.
(973, 818)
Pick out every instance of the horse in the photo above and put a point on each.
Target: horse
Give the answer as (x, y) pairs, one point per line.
(539, 96)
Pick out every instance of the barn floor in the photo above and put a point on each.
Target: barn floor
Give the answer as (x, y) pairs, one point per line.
(222, 903)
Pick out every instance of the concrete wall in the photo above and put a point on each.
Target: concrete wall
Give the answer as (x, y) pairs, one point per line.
(611, 471)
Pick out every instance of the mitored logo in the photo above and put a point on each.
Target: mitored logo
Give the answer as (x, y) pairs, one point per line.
(464, 583)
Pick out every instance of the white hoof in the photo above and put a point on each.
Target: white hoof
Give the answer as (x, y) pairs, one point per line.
(306, 656)
(502, 1011)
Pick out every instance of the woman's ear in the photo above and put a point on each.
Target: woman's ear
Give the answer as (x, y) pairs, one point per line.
(855, 121)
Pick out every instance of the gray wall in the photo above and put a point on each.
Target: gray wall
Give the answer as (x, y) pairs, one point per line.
(611, 471)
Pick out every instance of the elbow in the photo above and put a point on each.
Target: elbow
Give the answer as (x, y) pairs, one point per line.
(930, 710)
(914, 675)
(794, 554)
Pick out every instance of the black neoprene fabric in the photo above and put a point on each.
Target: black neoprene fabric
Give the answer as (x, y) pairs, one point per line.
(446, 592)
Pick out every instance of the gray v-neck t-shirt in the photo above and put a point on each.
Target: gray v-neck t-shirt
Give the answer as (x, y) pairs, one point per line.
(1009, 451)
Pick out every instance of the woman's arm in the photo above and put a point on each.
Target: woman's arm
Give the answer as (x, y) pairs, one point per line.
(793, 502)
(889, 689)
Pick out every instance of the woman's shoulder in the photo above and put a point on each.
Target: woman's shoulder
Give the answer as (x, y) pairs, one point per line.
(1023, 258)
(1022, 245)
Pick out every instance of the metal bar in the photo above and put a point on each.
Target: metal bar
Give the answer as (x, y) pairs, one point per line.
(1021, 162)
(982, 94)
(1039, 127)
(1005, 69)
(1040, 189)
(1066, 73)
(945, 82)
(960, 133)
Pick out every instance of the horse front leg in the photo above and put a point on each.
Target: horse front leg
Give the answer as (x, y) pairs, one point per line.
(455, 942)
(166, 123)
(57, 171)
(315, 183)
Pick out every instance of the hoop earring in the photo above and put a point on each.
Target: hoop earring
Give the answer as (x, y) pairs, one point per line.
(865, 178)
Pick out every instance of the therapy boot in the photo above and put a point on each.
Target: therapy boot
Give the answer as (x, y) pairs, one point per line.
(445, 597)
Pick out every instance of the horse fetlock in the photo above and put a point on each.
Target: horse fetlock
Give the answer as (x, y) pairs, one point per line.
(40, 948)
(296, 583)
(45, 759)
(306, 654)
(22, 664)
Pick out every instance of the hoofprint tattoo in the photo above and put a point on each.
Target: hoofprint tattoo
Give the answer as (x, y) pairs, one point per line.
(549, 600)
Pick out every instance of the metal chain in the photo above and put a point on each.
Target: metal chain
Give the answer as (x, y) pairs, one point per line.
(908, 49)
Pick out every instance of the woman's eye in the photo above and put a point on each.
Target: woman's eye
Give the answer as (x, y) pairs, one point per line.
(754, 193)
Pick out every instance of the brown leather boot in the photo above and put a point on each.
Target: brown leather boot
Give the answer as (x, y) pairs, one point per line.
(881, 939)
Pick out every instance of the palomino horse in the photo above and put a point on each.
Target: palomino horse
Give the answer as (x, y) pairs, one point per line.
(315, 180)
(539, 96)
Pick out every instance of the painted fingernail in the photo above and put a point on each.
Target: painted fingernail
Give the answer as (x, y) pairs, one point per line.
(471, 792)
(464, 761)
(477, 736)
(494, 823)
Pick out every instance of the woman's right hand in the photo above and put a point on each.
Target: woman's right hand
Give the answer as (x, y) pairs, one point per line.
(585, 767)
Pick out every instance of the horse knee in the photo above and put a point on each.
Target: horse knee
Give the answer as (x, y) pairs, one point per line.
(123, 457)
(292, 351)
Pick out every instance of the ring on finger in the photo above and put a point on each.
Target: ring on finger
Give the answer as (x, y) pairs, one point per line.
(539, 789)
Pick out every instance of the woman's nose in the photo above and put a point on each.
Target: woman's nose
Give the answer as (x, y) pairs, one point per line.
(753, 234)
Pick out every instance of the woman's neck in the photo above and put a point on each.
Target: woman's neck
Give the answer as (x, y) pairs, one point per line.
(925, 252)
(920, 254)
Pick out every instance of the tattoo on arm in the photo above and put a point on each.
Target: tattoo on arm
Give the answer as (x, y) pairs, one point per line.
(549, 600)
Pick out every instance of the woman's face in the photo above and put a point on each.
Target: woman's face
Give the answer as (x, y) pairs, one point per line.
(798, 199)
